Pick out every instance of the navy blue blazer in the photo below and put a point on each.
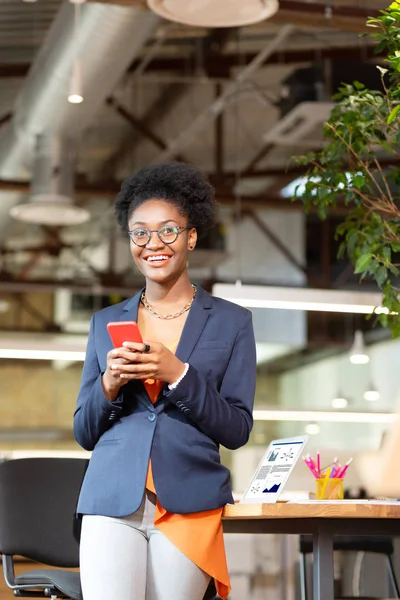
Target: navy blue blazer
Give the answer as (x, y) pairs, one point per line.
(182, 431)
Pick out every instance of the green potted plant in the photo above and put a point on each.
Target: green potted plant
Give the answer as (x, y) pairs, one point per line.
(363, 137)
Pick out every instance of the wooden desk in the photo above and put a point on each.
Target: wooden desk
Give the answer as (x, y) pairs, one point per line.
(322, 520)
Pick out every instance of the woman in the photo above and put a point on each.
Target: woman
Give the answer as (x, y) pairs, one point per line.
(154, 413)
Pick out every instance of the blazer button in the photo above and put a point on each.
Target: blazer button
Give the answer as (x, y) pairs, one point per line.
(152, 417)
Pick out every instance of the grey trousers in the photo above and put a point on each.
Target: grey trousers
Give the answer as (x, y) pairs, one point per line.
(130, 559)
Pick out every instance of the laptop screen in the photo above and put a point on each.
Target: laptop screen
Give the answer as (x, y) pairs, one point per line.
(274, 469)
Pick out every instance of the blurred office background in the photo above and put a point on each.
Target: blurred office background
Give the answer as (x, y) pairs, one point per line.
(91, 92)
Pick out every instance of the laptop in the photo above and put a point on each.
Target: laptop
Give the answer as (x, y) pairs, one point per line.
(274, 470)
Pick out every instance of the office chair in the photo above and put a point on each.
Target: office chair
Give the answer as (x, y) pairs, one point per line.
(380, 544)
(38, 498)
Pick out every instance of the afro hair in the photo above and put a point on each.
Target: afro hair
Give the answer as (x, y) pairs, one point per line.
(179, 183)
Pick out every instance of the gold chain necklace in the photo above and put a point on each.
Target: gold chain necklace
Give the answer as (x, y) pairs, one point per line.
(171, 316)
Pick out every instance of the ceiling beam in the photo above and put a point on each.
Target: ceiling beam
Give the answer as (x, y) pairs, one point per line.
(218, 106)
(262, 153)
(318, 8)
(343, 17)
(9, 285)
(212, 46)
(280, 245)
(326, 15)
(104, 190)
(225, 62)
(222, 183)
(161, 106)
(287, 172)
(5, 119)
(224, 195)
(136, 123)
(14, 70)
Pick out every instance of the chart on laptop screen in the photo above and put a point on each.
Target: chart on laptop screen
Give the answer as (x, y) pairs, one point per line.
(274, 469)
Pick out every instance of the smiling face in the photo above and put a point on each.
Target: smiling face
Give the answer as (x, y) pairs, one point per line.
(158, 261)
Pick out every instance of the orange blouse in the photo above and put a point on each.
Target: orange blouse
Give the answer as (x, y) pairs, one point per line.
(198, 535)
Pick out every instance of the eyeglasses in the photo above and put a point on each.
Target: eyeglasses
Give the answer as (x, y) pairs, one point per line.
(168, 234)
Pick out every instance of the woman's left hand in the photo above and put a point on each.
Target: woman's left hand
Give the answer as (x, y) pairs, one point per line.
(157, 363)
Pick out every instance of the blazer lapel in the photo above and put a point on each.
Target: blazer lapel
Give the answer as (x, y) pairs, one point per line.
(192, 330)
(131, 307)
(194, 325)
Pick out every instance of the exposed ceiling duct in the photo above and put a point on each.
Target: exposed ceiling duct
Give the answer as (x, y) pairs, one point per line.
(51, 200)
(105, 41)
(215, 13)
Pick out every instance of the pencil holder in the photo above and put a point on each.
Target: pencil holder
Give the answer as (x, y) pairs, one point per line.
(329, 489)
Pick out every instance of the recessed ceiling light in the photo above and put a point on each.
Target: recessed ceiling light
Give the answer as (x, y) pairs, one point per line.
(214, 13)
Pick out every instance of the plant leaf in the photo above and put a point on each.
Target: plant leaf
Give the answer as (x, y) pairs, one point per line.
(393, 114)
(381, 276)
(362, 263)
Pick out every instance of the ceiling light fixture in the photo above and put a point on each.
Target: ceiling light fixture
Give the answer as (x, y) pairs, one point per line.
(312, 428)
(4, 306)
(20, 353)
(75, 95)
(38, 346)
(371, 394)
(294, 298)
(50, 211)
(75, 84)
(339, 402)
(214, 13)
(358, 354)
(51, 198)
(321, 416)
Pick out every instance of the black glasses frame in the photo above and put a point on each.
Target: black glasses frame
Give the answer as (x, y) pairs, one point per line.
(178, 231)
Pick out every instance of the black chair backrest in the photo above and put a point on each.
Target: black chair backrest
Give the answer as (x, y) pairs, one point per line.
(38, 498)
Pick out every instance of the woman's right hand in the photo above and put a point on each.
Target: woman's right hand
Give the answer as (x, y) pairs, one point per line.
(111, 380)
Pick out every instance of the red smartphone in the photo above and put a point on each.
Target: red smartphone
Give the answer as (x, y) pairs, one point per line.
(124, 331)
